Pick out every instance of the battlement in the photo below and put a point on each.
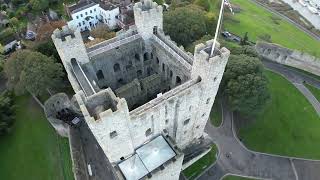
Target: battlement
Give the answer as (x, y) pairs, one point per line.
(147, 6)
(65, 33)
(204, 50)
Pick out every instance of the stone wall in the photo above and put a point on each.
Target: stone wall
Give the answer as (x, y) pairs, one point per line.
(289, 57)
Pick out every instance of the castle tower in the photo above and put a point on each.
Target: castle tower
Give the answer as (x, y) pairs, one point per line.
(69, 44)
(147, 15)
(108, 120)
(210, 69)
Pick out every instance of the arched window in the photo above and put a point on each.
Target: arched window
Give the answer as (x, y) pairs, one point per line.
(116, 67)
(158, 60)
(100, 75)
(163, 67)
(149, 71)
(178, 80)
(151, 56)
(137, 57)
(139, 73)
(120, 81)
(171, 73)
(146, 56)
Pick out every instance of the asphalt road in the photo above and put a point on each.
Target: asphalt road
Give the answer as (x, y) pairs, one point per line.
(297, 78)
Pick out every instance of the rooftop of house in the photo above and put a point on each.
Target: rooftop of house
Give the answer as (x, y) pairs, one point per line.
(84, 4)
(81, 5)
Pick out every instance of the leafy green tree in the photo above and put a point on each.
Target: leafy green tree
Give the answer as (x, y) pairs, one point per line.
(39, 5)
(6, 112)
(246, 49)
(160, 2)
(244, 40)
(14, 23)
(1, 49)
(185, 24)
(32, 72)
(245, 85)
(203, 39)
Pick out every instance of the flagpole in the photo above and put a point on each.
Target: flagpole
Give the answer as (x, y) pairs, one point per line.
(217, 29)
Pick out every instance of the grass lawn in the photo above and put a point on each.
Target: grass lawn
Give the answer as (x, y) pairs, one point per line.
(289, 125)
(257, 21)
(33, 150)
(216, 114)
(195, 169)
(230, 177)
(315, 91)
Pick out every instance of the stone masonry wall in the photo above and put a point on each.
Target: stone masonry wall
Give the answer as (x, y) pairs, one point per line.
(289, 57)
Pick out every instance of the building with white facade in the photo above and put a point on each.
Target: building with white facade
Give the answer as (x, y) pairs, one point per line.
(88, 14)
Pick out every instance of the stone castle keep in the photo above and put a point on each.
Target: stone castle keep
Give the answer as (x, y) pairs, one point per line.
(146, 100)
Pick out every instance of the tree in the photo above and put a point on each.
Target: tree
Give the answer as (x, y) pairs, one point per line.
(244, 40)
(1, 49)
(14, 23)
(203, 39)
(245, 85)
(32, 72)
(39, 5)
(185, 24)
(102, 32)
(246, 49)
(6, 112)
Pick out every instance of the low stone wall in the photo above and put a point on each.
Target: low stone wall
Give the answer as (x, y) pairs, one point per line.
(289, 57)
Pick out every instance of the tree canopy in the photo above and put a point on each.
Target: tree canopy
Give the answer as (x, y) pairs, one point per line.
(33, 72)
(6, 112)
(39, 5)
(245, 85)
(185, 24)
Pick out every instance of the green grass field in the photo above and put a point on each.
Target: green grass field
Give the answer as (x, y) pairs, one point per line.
(257, 21)
(289, 126)
(315, 91)
(216, 114)
(33, 150)
(195, 169)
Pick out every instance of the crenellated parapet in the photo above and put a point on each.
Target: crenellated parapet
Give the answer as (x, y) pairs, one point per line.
(147, 15)
(69, 44)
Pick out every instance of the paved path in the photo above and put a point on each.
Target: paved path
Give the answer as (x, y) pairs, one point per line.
(297, 78)
(235, 158)
(287, 19)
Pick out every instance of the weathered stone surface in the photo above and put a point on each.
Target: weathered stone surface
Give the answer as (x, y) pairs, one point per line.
(289, 57)
(147, 86)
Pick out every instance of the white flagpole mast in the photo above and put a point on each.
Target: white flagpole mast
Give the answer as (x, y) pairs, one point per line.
(217, 29)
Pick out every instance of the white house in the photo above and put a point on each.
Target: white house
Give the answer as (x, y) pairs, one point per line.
(87, 14)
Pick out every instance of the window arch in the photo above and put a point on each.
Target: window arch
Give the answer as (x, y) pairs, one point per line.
(116, 67)
(100, 75)
(137, 57)
(146, 56)
(178, 80)
(139, 73)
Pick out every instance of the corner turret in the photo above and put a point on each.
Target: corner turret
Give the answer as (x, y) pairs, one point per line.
(69, 44)
(147, 15)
